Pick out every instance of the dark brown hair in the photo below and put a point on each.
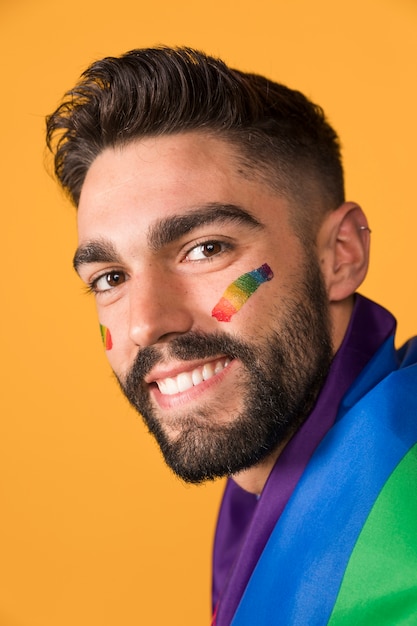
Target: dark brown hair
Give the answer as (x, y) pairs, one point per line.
(157, 91)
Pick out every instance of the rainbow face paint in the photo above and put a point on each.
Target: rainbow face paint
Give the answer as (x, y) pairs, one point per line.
(239, 291)
(106, 337)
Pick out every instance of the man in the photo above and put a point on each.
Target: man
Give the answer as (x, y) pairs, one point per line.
(224, 259)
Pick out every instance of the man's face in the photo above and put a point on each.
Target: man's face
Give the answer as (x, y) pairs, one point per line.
(167, 228)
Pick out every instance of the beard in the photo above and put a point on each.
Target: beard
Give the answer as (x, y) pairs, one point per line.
(279, 379)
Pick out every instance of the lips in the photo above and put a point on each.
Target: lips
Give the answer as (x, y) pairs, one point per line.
(186, 380)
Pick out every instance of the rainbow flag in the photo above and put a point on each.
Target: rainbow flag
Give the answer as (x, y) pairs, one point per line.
(344, 552)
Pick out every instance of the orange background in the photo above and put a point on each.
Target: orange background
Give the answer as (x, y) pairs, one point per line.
(94, 530)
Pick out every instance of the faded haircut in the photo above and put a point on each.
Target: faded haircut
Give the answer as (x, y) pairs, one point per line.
(276, 131)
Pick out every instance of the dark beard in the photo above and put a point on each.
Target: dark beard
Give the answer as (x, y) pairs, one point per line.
(282, 374)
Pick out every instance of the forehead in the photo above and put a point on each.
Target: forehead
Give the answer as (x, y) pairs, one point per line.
(156, 177)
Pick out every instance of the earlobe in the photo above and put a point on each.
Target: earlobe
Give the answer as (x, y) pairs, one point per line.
(343, 246)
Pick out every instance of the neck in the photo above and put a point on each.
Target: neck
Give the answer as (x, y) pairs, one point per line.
(253, 479)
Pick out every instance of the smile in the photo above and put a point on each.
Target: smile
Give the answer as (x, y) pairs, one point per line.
(186, 380)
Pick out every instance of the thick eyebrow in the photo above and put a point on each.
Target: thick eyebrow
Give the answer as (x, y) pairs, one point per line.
(99, 251)
(170, 229)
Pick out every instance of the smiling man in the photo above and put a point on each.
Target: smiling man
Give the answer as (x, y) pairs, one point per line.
(224, 259)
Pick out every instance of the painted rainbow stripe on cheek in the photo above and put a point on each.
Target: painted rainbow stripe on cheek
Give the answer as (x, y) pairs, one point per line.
(106, 337)
(238, 292)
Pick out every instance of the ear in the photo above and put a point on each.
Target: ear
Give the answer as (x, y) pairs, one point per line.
(343, 249)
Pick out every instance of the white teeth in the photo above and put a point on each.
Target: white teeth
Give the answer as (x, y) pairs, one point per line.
(219, 367)
(208, 371)
(197, 377)
(168, 386)
(186, 380)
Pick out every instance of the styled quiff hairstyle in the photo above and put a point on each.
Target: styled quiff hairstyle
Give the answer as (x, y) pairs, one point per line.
(278, 132)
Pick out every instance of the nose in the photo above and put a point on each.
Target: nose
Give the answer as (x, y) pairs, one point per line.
(158, 310)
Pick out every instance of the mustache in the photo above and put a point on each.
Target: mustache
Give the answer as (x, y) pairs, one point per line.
(193, 345)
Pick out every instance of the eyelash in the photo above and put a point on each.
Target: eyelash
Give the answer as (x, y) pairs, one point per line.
(92, 285)
(225, 247)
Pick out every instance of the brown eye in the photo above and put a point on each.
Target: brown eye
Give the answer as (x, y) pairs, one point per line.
(114, 278)
(108, 281)
(212, 248)
(206, 251)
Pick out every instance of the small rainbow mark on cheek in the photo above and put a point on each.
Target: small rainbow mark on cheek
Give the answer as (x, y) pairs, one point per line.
(239, 291)
(106, 337)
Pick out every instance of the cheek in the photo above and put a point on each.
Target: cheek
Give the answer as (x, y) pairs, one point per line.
(113, 331)
(238, 293)
(113, 345)
(106, 337)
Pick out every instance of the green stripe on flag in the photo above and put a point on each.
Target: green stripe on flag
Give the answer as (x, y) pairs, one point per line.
(379, 587)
